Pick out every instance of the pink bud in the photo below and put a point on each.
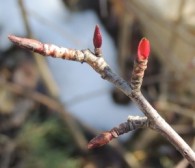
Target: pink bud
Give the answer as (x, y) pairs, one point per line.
(100, 140)
(97, 37)
(143, 49)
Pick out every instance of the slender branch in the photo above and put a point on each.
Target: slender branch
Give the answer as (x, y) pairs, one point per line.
(40, 61)
(51, 84)
(57, 107)
(99, 65)
(52, 104)
(133, 123)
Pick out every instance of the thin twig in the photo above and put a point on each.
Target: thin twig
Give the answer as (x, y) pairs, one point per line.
(166, 106)
(52, 87)
(99, 65)
(135, 7)
(9, 147)
(86, 96)
(40, 61)
(184, 163)
(133, 123)
(54, 105)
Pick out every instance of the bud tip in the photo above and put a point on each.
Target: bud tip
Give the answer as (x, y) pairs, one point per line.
(97, 38)
(100, 140)
(143, 49)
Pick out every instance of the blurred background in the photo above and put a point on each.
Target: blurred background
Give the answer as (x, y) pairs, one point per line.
(51, 108)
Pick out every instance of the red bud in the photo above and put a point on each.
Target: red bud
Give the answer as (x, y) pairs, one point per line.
(143, 49)
(100, 140)
(97, 37)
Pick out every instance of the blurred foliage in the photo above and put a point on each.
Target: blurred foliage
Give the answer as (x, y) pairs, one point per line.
(48, 145)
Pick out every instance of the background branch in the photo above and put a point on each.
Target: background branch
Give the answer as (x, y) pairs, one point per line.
(52, 86)
(129, 158)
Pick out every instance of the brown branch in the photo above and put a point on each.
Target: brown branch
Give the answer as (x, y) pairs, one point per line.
(99, 65)
(52, 104)
(184, 163)
(40, 61)
(166, 106)
(133, 123)
(8, 149)
(51, 85)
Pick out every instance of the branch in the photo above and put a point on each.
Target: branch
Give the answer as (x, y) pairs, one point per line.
(98, 63)
(52, 104)
(133, 123)
(50, 83)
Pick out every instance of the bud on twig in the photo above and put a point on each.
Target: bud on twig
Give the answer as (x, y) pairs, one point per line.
(143, 49)
(140, 64)
(97, 37)
(97, 41)
(100, 140)
(133, 123)
(29, 44)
